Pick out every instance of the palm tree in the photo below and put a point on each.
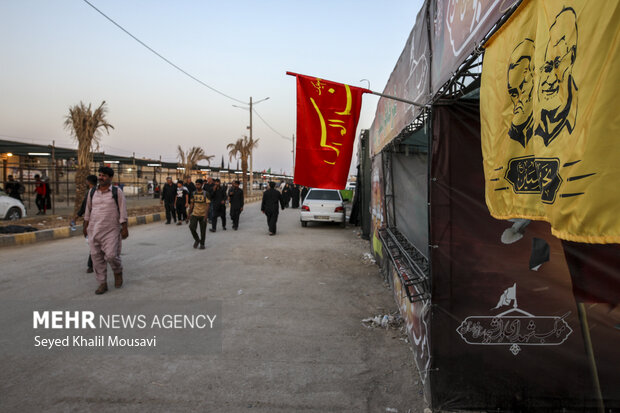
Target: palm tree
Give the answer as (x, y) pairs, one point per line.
(86, 127)
(242, 148)
(190, 159)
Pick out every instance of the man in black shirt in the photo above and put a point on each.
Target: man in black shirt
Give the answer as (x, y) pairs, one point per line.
(218, 205)
(235, 197)
(168, 197)
(208, 186)
(272, 201)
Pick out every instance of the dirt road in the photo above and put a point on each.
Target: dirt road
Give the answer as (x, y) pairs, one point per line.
(291, 332)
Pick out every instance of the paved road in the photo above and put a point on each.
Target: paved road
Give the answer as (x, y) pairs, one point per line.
(291, 340)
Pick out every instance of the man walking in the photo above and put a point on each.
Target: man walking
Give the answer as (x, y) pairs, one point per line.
(235, 197)
(272, 199)
(168, 197)
(105, 223)
(199, 209)
(218, 205)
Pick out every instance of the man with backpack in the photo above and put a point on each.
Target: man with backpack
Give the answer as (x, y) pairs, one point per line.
(199, 210)
(105, 224)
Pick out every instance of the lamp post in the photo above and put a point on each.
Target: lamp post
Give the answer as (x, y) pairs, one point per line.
(292, 151)
(251, 150)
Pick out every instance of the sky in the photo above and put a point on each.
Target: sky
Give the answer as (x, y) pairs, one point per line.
(54, 54)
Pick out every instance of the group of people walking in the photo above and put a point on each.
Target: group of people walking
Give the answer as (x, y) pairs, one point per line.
(291, 194)
(200, 204)
(106, 221)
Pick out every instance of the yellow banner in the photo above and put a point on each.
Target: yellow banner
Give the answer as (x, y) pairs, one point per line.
(550, 118)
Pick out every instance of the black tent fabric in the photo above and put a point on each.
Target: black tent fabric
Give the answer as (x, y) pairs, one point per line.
(504, 338)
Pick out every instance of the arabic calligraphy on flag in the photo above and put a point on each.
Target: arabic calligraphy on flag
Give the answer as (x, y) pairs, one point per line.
(327, 117)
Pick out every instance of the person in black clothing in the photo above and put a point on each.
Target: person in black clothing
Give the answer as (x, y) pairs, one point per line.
(295, 196)
(13, 188)
(48, 193)
(272, 200)
(208, 186)
(168, 197)
(190, 187)
(304, 192)
(182, 202)
(91, 181)
(286, 195)
(218, 205)
(235, 197)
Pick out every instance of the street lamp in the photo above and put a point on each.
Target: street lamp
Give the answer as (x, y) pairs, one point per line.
(250, 128)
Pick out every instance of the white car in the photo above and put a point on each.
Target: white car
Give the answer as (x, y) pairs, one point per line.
(11, 208)
(323, 205)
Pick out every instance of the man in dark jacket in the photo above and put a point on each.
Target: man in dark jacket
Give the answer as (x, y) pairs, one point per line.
(218, 205)
(272, 201)
(304, 192)
(235, 197)
(208, 186)
(168, 198)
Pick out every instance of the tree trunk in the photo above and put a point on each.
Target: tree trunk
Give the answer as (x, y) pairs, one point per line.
(80, 187)
(244, 178)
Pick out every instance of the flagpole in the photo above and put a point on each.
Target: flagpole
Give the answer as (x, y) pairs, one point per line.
(377, 93)
(420, 105)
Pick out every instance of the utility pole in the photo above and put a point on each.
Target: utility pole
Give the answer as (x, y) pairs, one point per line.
(251, 154)
(53, 176)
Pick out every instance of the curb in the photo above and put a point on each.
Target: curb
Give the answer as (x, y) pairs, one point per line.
(65, 232)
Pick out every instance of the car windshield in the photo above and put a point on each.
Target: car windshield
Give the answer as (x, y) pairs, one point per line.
(323, 195)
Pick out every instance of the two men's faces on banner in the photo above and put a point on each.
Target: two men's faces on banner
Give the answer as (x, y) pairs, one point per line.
(556, 98)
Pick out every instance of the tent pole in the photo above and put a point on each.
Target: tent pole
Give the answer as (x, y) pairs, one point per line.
(585, 330)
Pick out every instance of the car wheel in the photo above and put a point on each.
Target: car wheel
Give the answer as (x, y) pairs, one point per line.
(14, 214)
(304, 223)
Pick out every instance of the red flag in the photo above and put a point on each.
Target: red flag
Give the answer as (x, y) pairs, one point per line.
(327, 116)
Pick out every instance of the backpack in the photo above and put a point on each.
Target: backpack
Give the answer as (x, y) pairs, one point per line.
(114, 195)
